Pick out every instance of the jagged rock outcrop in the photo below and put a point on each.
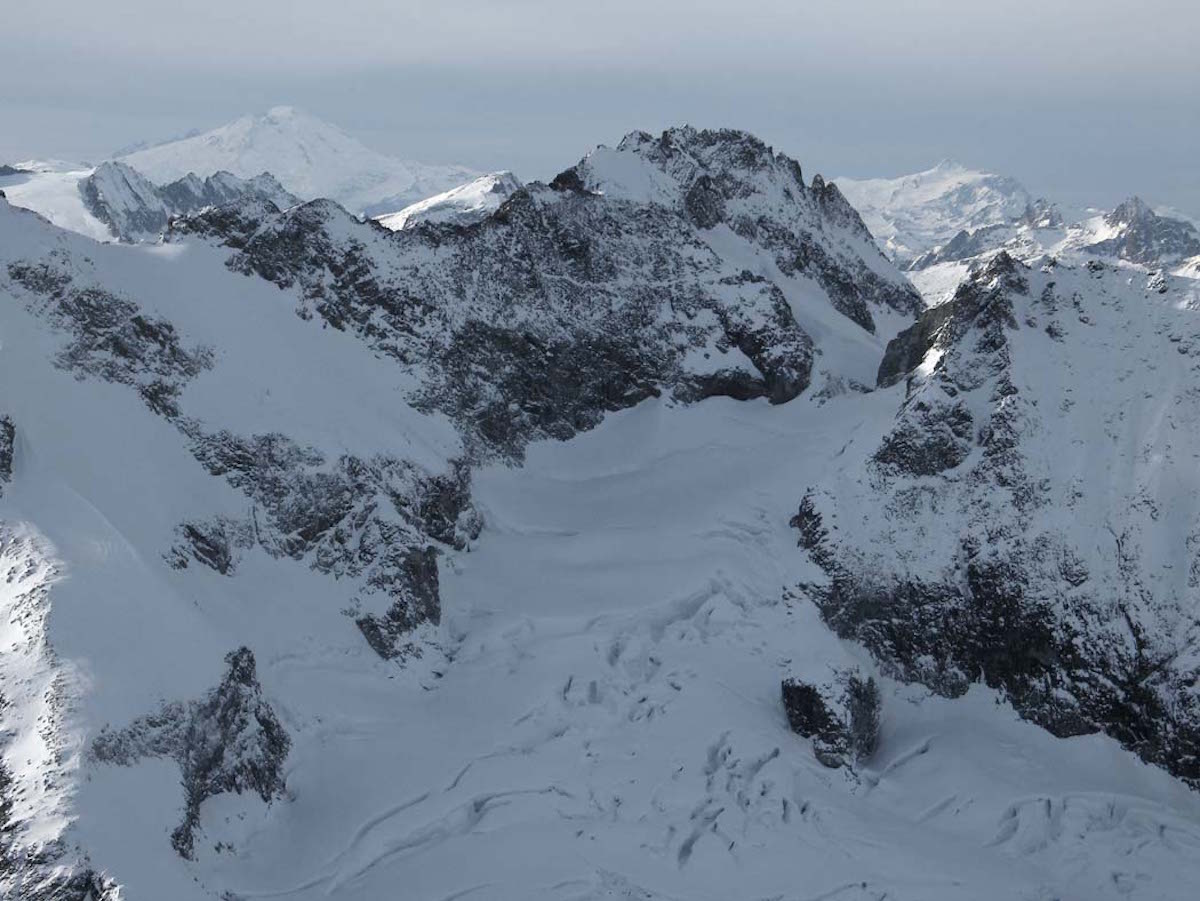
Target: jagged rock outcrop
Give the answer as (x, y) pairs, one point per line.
(1145, 237)
(8, 435)
(465, 205)
(135, 209)
(586, 296)
(366, 521)
(363, 520)
(840, 715)
(36, 769)
(228, 741)
(731, 178)
(979, 540)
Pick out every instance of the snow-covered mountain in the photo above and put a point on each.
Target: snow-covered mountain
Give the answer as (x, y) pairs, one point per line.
(914, 213)
(465, 559)
(942, 223)
(311, 158)
(115, 201)
(134, 209)
(468, 203)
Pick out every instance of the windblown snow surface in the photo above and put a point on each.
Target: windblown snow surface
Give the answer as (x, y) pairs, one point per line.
(311, 159)
(597, 715)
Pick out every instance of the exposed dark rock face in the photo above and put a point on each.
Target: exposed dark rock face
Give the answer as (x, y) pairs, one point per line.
(8, 435)
(1145, 237)
(1041, 213)
(111, 338)
(7, 170)
(42, 878)
(412, 583)
(228, 741)
(841, 717)
(932, 439)
(951, 560)
(190, 193)
(134, 209)
(34, 865)
(906, 351)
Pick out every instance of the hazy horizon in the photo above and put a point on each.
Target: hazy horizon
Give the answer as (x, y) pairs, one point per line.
(1084, 104)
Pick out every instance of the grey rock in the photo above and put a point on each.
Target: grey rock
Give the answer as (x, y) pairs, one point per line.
(841, 716)
(1147, 238)
(8, 434)
(228, 741)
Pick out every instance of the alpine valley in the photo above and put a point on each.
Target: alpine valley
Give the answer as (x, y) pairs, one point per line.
(685, 528)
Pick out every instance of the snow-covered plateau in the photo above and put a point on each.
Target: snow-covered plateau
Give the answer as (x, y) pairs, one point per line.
(644, 536)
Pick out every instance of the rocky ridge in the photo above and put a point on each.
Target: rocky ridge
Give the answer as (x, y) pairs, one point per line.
(134, 209)
(970, 545)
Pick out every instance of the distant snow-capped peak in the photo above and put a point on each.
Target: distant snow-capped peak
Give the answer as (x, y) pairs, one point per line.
(914, 213)
(461, 205)
(310, 157)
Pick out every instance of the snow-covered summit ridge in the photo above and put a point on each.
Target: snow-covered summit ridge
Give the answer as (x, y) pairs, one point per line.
(459, 206)
(135, 209)
(310, 157)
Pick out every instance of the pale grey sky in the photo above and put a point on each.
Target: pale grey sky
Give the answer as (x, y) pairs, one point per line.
(1084, 101)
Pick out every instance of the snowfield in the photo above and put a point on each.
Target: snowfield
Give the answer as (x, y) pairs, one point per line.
(596, 714)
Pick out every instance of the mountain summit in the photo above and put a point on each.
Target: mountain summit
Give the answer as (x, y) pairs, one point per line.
(915, 213)
(310, 157)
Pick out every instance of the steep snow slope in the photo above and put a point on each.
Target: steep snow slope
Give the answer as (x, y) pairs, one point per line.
(1030, 519)
(129, 628)
(311, 159)
(459, 206)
